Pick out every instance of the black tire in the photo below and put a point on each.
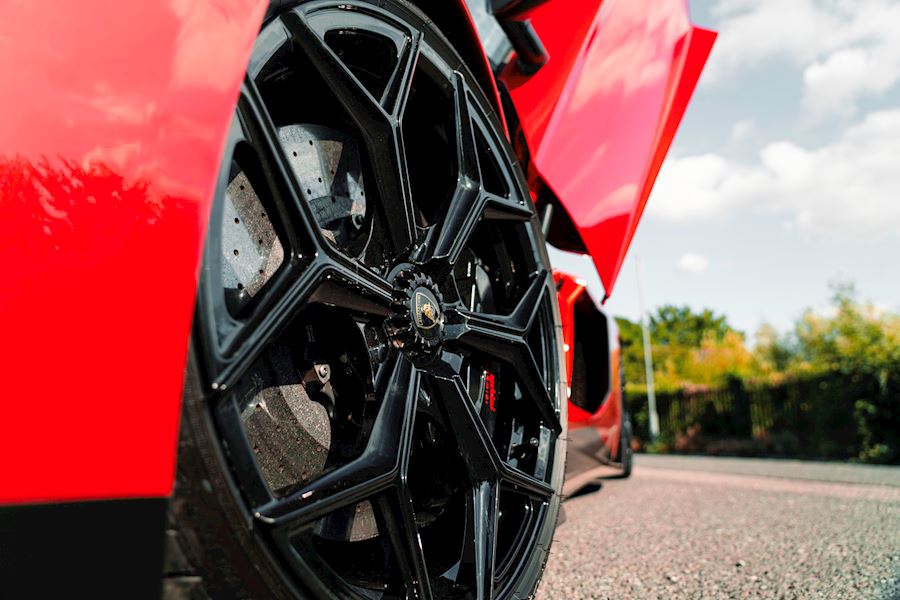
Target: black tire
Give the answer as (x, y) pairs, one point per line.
(244, 521)
(626, 454)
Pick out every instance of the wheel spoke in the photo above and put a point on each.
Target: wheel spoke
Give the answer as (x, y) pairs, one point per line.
(466, 152)
(470, 202)
(529, 305)
(359, 280)
(491, 332)
(504, 337)
(399, 518)
(376, 470)
(392, 180)
(483, 332)
(354, 482)
(344, 86)
(399, 385)
(498, 208)
(397, 91)
(485, 500)
(525, 483)
(325, 280)
(322, 281)
(297, 218)
(260, 130)
(451, 233)
(353, 287)
(447, 238)
(475, 444)
(277, 306)
(274, 312)
(380, 129)
(536, 390)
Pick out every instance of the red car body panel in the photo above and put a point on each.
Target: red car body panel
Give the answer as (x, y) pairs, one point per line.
(608, 417)
(601, 115)
(113, 123)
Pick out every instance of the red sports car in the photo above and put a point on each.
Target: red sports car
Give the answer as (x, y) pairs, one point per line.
(278, 318)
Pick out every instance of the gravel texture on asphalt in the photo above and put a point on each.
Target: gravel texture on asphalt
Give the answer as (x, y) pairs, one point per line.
(670, 533)
(837, 472)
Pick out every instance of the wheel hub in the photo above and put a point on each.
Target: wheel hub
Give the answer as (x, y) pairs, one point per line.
(417, 325)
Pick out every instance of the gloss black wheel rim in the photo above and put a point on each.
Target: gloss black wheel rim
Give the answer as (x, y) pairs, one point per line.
(375, 317)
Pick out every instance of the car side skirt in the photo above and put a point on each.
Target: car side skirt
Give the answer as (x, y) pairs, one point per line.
(99, 549)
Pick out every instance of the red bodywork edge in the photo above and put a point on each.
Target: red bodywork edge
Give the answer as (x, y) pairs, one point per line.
(608, 417)
(600, 117)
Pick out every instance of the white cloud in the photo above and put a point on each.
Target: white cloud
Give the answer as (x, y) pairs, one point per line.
(750, 32)
(693, 263)
(847, 189)
(741, 129)
(836, 84)
(832, 85)
(847, 49)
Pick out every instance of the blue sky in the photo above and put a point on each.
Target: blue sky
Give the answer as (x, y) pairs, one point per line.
(785, 173)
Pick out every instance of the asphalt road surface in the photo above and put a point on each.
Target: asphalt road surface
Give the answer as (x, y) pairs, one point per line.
(685, 527)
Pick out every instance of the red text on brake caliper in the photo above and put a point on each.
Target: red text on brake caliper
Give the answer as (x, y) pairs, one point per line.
(490, 391)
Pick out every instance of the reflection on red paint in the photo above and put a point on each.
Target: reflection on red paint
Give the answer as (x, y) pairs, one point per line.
(490, 392)
(110, 143)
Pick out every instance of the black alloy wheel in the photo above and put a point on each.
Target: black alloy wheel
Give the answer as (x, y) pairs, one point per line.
(373, 407)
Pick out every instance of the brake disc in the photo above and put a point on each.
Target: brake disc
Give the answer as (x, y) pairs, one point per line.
(327, 165)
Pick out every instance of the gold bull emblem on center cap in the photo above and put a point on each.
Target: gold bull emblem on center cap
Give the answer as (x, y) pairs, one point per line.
(426, 313)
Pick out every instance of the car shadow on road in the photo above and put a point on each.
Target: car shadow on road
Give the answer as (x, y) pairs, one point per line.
(591, 487)
(588, 481)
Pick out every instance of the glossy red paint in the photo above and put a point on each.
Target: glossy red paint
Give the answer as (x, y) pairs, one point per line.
(113, 122)
(607, 419)
(600, 116)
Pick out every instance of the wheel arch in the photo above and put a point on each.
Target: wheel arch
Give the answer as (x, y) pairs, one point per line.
(455, 22)
(599, 403)
(592, 338)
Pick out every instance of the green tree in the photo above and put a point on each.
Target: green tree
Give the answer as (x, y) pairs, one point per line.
(774, 352)
(863, 343)
(632, 351)
(688, 347)
(679, 325)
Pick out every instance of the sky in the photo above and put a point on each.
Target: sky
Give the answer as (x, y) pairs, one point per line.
(785, 174)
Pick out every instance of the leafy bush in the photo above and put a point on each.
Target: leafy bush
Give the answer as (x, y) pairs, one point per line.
(828, 389)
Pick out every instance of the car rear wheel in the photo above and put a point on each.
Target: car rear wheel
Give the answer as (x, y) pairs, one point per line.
(626, 454)
(373, 402)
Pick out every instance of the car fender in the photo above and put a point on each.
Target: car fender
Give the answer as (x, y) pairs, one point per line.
(111, 142)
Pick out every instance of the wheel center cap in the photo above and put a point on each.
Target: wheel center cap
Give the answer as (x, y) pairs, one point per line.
(426, 312)
(417, 325)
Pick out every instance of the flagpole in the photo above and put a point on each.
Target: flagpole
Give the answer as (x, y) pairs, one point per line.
(648, 355)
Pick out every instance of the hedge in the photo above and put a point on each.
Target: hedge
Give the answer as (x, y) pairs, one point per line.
(831, 416)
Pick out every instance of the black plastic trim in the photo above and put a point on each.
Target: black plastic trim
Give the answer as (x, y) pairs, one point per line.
(530, 51)
(94, 549)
